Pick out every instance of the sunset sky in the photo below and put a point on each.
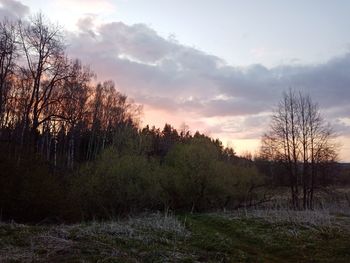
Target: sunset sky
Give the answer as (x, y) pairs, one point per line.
(218, 66)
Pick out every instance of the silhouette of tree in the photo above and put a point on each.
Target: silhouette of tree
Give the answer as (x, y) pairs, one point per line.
(301, 139)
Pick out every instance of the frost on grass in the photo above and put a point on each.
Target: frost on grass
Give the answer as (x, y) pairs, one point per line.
(307, 217)
(331, 209)
(293, 223)
(39, 243)
(134, 228)
(316, 219)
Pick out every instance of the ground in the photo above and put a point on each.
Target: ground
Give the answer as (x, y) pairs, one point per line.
(240, 236)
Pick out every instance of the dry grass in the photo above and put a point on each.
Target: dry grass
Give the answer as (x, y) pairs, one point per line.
(23, 243)
(255, 235)
(331, 208)
(311, 218)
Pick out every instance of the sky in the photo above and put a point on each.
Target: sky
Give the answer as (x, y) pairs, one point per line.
(219, 66)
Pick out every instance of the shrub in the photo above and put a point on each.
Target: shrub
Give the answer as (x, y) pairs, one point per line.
(115, 185)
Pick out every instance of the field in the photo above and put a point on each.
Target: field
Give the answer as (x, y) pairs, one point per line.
(240, 236)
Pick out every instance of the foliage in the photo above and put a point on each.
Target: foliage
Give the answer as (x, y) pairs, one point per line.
(117, 184)
(191, 178)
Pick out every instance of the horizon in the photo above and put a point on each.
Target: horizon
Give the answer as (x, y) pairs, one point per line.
(221, 68)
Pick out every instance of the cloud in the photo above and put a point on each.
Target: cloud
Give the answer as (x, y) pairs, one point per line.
(12, 9)
(87, 24)
(144, 63)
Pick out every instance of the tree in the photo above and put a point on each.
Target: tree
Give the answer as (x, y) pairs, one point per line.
(301, 139)
(47, 66)
(75, 94)
(8, 52)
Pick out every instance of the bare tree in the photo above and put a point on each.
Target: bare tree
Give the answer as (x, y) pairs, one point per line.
(8, 52)
(301, 139)
(75, 95)
(43, 50)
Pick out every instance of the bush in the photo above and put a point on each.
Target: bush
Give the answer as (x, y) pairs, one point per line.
(29, 191)
(192, 169)
(116, 185)
(197, 180)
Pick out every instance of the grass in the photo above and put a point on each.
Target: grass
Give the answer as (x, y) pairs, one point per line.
(252, 236)
(256, 240)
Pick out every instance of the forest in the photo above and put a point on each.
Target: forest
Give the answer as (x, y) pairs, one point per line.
(72, 148)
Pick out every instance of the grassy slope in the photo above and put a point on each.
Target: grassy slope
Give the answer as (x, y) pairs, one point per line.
(189, 238)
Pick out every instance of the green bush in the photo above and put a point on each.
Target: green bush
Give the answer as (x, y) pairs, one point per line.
(116, 184)
(191, 178)
(192, 169)
(196, 179)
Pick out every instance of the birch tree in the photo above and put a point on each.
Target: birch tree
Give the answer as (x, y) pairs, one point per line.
(301, 139)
